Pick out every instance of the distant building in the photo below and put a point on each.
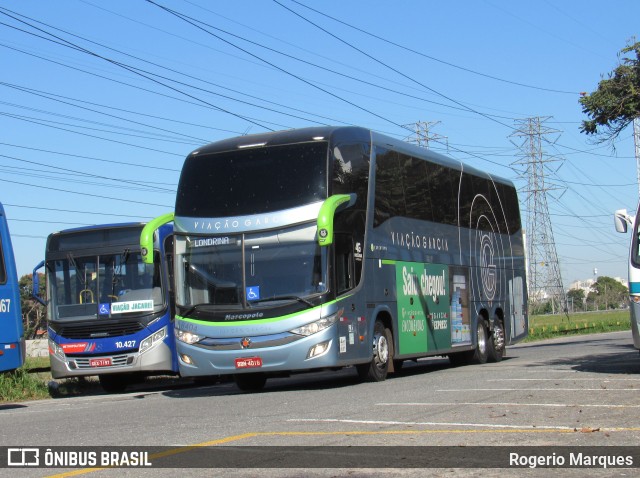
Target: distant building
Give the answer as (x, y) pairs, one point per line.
(586, 285)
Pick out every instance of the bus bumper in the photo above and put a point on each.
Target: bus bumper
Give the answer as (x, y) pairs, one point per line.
(197, 360)
(157, 360)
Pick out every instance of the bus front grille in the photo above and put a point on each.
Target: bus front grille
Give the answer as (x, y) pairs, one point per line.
(97, 330)
(116, 361)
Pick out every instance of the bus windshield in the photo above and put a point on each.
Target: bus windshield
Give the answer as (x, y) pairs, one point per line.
(253, 181)
(107, 285)
(248, 270)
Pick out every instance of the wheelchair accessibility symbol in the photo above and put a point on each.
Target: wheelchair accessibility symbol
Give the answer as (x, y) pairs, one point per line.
(253, 293)
(104, 309)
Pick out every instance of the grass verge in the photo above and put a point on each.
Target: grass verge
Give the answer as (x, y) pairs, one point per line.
(551, 326)
(29, 382)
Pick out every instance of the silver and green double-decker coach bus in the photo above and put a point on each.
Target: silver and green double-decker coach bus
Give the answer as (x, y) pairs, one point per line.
(338, 246)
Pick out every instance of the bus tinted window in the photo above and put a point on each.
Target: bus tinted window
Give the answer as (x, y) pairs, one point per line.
(73, 241)
(509, 200)
(389, 189)
(252, 181)
(351, 171)
(414, 188)
(481, 197)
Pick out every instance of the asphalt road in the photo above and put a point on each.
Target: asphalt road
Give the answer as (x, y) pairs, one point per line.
(578, 391)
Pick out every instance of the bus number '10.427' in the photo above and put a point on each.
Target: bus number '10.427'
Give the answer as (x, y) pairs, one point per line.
(5, 305)
(129, 344)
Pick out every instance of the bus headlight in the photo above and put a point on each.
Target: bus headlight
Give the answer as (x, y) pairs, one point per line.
(153, 340)
(55, 349)
(188, 337)
(317, 326)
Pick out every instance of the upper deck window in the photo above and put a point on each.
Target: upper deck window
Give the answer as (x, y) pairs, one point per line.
(253, 181)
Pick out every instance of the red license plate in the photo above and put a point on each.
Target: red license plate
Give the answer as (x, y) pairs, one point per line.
(101, 362)
(250, 362)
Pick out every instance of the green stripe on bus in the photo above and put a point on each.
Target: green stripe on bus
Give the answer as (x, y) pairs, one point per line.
(256, 322)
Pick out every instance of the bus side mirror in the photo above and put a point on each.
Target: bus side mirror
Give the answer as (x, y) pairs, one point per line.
(35, 283)
(621, 219)
(146, 236)
(328, 210)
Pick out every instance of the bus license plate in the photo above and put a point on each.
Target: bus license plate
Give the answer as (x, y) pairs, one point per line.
(250, 362)
(101, 362)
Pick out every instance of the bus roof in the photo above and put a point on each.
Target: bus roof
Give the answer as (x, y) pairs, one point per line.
(330, 133)
(54, 239)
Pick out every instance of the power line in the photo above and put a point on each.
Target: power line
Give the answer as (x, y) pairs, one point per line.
(74, 211)
(123, 163)
(194, 22)
(73, 46)
(145, 185)
(468, 70)
(34, 121)
(56, 98)
(83, 194)
(392, 68)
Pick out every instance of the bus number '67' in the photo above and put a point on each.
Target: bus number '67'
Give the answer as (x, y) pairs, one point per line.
(5, 305)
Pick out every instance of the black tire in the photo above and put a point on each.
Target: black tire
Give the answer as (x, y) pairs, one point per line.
(115, 383)
(481, 354)
(250, 382)
(496, 342)
(382, 343)
(397, 365)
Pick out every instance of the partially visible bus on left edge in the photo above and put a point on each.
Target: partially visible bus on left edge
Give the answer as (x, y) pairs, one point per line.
(12, 345)
(109, 314)
(622, 219)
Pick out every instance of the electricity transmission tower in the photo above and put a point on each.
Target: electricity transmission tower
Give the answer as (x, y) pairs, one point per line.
(543, 268)
(422, 134)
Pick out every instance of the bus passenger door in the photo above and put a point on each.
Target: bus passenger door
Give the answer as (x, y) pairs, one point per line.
(516, 296)
(352, 331)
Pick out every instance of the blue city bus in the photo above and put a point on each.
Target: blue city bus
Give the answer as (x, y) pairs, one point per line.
(328, 247)
(109, 314)
(12, 344)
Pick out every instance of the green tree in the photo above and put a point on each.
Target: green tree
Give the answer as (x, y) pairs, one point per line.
(616, 102)
(34, 314)
(576, 298)
(609, 293)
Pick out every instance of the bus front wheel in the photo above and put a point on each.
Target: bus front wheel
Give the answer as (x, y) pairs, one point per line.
(377, 369)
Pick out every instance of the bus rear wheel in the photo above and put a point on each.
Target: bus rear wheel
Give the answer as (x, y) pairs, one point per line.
(496, 342)
(377, 369)
(250, 382)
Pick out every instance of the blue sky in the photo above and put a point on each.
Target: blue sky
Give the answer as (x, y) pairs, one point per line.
(101, 101)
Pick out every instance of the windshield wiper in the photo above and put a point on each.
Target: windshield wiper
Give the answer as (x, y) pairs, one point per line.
(193, 308)
(282, 297)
